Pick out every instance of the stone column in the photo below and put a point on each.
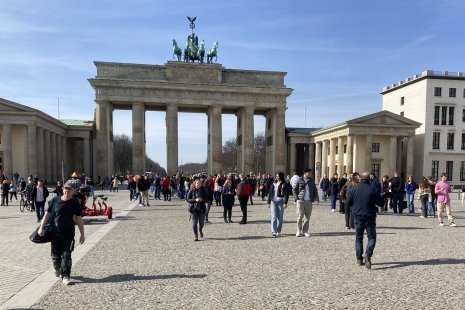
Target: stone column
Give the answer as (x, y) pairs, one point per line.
(87, 157)
(340, 156)
(332, 155)
(32, 149)
(270, 140)
(59, 158)
(292, 155)
(410, 155)
(399, 155)
(64, 155)
(7, 151)
(368, 152)
(47, 156)
(172, 138)
(311, 157)
(40, 153)
(392, 155)
(215, 140)
(317, 171)
(280, 157)
(111, 152)
(138, 138)
(245, 139)
(350, 154)
(53, 165)
(101, 124)
(324, 158)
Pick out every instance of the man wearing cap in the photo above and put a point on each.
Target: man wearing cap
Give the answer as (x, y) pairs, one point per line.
(65, 209)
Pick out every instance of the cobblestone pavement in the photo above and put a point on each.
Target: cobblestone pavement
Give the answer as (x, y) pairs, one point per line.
(149, 261)
(22, 261)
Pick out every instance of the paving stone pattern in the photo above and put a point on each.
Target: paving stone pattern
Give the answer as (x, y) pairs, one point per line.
(150, 261)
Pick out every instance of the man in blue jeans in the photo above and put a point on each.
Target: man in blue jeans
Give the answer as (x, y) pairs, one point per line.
(363, 199)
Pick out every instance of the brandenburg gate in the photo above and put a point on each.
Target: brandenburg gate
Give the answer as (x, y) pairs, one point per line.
(191, 87)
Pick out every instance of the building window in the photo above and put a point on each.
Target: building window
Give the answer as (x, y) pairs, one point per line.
(345, 148)
(435, 169)
(450, 141)
(451, 115)
(462, 171)
(337, 150)
(463, 141)
(443, 115)
(449, 169)
(437, 91)
(463, 115)
(402, 114)
(436, 115)
(375, 168)
(436, 139)
(402, 100)
(375, 147)
(464, 93)
(452, 92)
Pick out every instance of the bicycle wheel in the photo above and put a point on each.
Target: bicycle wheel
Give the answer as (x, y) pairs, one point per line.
(28, 206)
(21, 205)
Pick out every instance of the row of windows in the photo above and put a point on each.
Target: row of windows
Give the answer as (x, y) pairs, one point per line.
(449, 170)
(444, 115)
(374, 148)
(450, 141)
(452, 92)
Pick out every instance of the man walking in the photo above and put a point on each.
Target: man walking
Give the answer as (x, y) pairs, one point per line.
(397, 190)
(64, 209)
(442, 189)
(38, 197)
(243, 192)
(363, 200)
(307, 193)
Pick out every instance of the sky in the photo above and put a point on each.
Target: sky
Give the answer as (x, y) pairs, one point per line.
(338, 54)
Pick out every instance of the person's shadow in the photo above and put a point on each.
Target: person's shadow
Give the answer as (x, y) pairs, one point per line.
(117, 278)
(429, 262)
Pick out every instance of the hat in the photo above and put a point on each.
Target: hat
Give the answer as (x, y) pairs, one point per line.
(71, 184)
(74, 175)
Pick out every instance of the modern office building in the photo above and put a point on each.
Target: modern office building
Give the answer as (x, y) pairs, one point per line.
(437, 101)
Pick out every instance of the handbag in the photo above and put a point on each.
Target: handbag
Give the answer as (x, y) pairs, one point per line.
(48, 228)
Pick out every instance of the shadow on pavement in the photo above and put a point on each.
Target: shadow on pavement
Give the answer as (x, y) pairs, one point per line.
(429, 262)
(402, 227)
(132, 277)
(242, 238)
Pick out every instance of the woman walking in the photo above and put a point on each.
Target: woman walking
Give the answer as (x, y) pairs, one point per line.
(196, 199)
(209, 197)
(277, 201)
(353, 181)
(228, 200)
(425, 193)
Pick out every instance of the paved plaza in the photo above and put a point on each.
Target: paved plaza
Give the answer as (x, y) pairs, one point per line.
(146, 259)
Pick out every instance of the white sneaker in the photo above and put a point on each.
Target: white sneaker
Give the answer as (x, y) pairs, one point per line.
(298, 234)
(307, 235)
(140, 205)
(452, 224)
(67, 281)
(333, 210)
(279, 235)
(441, 224)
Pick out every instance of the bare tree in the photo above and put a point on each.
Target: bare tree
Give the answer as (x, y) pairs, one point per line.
(260, 152)
(122, 146)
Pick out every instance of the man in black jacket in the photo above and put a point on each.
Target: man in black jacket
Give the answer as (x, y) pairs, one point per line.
(363, 200)
(397, 190)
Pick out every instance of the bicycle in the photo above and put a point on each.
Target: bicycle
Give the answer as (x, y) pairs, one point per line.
(23, 203)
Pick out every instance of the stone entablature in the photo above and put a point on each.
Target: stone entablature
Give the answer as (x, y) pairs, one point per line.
(192, 73)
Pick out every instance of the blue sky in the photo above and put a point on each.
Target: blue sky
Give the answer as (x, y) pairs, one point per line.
(338, 55)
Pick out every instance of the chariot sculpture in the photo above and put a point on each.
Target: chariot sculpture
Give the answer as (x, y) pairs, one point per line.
(193, 51)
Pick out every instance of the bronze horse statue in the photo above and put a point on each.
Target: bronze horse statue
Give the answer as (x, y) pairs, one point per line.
(212, 53)
(193, 53)
(176, 50)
